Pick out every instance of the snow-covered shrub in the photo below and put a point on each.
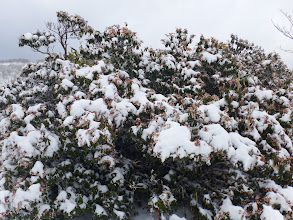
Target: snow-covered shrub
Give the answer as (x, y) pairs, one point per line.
(187, 126)
(116, 45)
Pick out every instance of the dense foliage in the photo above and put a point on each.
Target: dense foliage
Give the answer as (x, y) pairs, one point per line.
(206, 126)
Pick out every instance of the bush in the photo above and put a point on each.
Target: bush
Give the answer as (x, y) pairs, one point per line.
(188, 125)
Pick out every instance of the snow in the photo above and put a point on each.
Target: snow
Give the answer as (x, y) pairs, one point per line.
(278, 195)
(139, 98)
(100, 210)
(238, 148)
(235, 104)
(36, 108)
(210, 113)
(84, 138)
(28, 36)
(266, 62)
(194, 63)
(173, 141)
(38, 169)
(67, 204)
(123, 109)
(88, 72)
(35, 37)
(255, 134)
(2, 209)
(53, 145)
(62, 195)
(43, 38)
(169, 61)
(119, 214)
(4, 194)
(148, 131)
(166, 196)
(263, 94)
(210, 58)
(216, 136)
(17, 111)
(107, 159)
(245, 151)
(252, 80)
(61, 109)
(79, 95)
(176, 217)
(287, 193)
(271, 214)
(25, 144)
(285, 101)
(104, 86)
(117, 173)
(277, 198)
(43, 208)
(235, 212)
(22, 198)
(188, 73)
(262, 120)
(4, 125)
(52, 39)
(286, 117)
(160, 97)
(79, 107)
(205, 212)
(103, 188)
(66, 84)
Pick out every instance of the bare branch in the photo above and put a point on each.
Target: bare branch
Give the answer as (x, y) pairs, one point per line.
(289, 51)
(287, 32)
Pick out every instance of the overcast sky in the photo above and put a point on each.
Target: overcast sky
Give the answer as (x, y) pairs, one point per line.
(152, 19)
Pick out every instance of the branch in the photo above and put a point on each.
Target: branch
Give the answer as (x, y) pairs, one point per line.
(289, 51)
(52, 27)
(284, 30)
(288, 16)
(42, 52)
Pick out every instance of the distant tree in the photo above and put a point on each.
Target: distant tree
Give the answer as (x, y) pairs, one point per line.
(67, 27)
(287, 31)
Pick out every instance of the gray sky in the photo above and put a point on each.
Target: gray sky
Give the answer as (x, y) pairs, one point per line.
(152, 19)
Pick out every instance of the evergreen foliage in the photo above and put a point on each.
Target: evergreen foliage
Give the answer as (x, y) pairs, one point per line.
(204, 125)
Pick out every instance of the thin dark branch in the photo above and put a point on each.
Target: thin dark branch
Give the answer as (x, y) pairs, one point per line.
(289, 51)
(42, 52)
(283, 29)
(51, 28)
(288, 16)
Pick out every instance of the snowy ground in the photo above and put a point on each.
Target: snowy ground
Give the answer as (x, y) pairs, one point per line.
(10, 69)
(143, 214)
